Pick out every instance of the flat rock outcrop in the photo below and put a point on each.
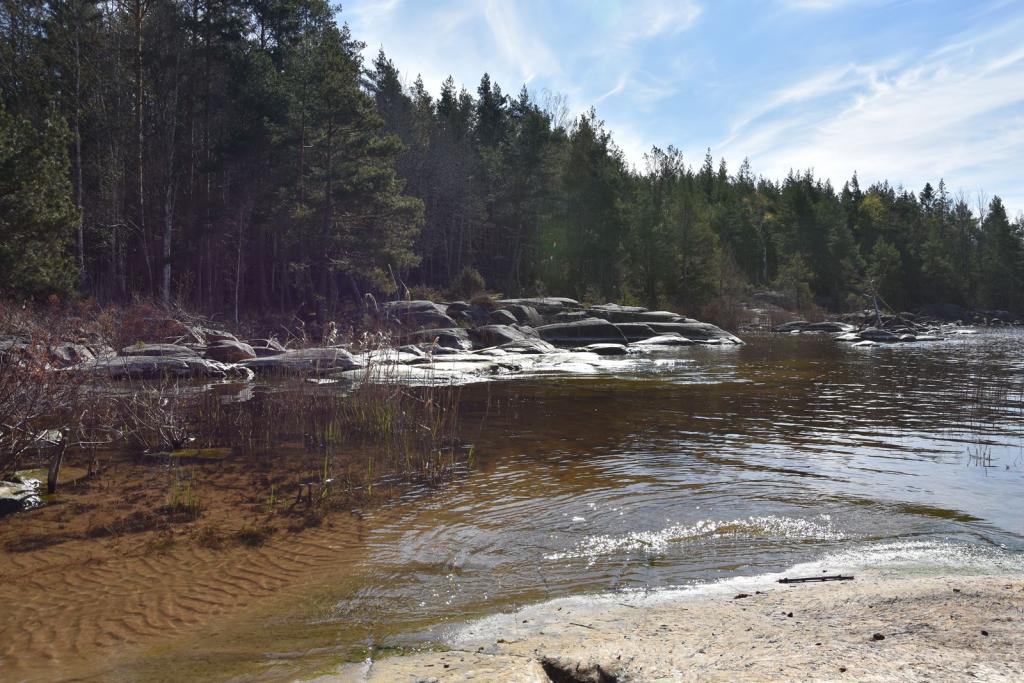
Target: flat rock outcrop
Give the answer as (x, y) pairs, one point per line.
(304, 362)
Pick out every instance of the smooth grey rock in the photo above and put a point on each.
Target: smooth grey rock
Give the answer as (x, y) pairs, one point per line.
(227, 351)
(266, 347)
(502, 317)
(69, 353)
(828, 326)
(159, 350)
(546, 306)
(452, 338)
(525, 315)
(154, 367)
(18, 496)
(635, 331)
(792, 326)
(671, 339)
(529, 347)
(591, 331)
(304, 362)
(496, 335)
(696, 331)
(605, 349)
(417, 314)
(633, 314)
(876, 335)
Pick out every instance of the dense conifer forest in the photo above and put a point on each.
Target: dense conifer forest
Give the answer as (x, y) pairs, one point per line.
(240, 156)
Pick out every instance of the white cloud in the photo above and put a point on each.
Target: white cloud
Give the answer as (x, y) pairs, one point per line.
(650, 18)
(954, 113)
(522, 49)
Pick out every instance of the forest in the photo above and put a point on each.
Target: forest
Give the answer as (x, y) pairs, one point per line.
(240, 156)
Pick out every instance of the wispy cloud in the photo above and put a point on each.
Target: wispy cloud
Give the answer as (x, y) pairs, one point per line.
(523, 49)
(947, 114)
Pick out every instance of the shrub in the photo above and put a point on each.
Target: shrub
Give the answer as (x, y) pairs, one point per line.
(467, 283)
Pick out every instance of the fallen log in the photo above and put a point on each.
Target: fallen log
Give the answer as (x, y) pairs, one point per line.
(808, 579)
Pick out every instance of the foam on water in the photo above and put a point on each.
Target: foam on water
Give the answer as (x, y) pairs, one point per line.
(791, 528)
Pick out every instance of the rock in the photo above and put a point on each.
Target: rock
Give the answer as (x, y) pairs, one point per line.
(908, 338)
(265, 347)
(456, 307)
(876, 335)
(546, 306)
(697, 331)
(496, 335)
(227, 351)
(633, 314)
(792, 326)
(828, 326)
(525, 315)
(68, 353)
(591, 331)
(571, 316)
(314, 362)
(848, 337)
(452, 338)
(18, 496)
(502, 317)
(417, 314)
(672, 339)
(529, 347)
(157, 367)
(605, 349)
(158, 350)
(866, 342)
(636, 331)
(214, 336)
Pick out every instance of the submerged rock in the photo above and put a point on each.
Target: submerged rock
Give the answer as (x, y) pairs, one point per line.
(876, 335)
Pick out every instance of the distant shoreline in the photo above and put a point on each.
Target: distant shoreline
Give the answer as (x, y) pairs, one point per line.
(874, 628)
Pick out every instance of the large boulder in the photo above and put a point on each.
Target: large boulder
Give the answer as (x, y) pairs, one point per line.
(452, 338)
(496, 335)
(502, 317)
(590, 331)
(635, 331)
(605, 349)
(698, 332)
(417, 315)
(525, 315)
(158, 351)
(615, 313)
(314, 362)
(227, 351)
(547, 306)
(156, 367)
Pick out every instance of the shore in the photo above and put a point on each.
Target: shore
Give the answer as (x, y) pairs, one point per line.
(875, 628)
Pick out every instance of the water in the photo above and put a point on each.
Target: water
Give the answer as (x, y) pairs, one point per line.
(704, 465)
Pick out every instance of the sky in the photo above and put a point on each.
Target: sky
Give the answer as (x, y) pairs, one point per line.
(908, 91)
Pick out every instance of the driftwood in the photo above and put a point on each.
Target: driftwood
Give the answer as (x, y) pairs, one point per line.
(809, 579)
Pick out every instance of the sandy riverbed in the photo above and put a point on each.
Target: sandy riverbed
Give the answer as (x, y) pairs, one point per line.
(934, 629)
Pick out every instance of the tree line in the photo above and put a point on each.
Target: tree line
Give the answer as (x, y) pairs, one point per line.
(240, 156)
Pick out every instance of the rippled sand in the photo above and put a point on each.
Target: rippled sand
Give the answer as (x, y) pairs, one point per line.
(942, 629)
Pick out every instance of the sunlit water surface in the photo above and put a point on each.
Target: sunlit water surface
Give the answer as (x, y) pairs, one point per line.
(701, 465)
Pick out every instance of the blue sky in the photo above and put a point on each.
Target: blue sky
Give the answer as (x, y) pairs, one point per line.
(904, 90)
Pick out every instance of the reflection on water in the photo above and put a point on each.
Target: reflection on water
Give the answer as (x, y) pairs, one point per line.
(679, 470)
(700, 465)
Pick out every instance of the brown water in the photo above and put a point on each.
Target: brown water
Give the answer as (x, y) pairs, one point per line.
(684, 468)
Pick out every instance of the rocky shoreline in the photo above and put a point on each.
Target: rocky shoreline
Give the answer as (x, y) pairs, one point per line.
(418, 337)
(875, 628)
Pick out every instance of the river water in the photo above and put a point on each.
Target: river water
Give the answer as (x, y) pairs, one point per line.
(686, 468)
(700, 465)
